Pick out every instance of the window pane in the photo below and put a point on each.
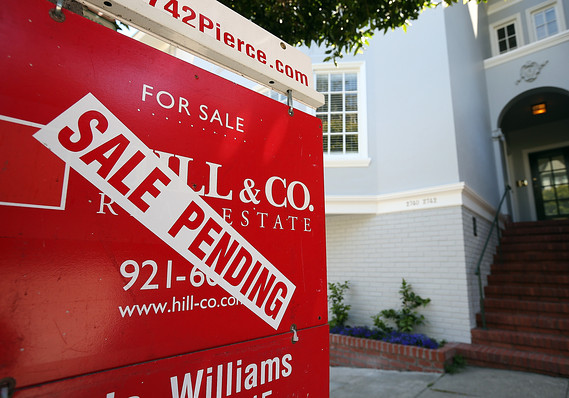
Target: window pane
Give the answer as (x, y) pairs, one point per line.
(543, 165)
(540, 32)
(503, 46)
(351, 82)
(552, 28)
(324, 119)
(336, 143)
(351, 122)
(563, 191)
(336, 124)
(560, 177)
(325, 139)
(321, 83)
(550, 208)
(336, 104)
(548, 193)
(539, 20)
(546, 180)
(336, 82)
(351, 102)
(501, 34)
(564, 207)
(558, 163)
(512, 42)
(511, 30)
(550, 15)
(351, 143)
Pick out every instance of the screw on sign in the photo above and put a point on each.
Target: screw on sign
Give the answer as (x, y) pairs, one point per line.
(7, 386)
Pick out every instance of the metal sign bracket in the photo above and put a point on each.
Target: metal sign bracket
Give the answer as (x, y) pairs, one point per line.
(56, 13)
(289, 102)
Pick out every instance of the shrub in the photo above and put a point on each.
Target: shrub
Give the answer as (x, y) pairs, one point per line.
(338, 308)
(405, 319)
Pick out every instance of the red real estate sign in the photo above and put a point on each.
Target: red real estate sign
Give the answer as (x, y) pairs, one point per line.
(159, 223)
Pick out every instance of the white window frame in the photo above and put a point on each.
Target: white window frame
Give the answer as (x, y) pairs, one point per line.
(361, 158)
(516, 19)
(559, 13)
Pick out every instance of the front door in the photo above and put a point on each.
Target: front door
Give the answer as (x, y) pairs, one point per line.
(550, 177)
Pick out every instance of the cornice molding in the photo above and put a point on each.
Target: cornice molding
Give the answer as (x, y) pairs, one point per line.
(429, 198)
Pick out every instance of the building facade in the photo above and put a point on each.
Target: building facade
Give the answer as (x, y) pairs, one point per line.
(422, 134)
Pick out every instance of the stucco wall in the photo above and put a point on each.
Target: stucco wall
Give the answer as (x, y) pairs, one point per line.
(502, 78)
(409, 113)
(468, 46)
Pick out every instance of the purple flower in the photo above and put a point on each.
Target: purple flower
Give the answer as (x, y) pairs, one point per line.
(417, 339)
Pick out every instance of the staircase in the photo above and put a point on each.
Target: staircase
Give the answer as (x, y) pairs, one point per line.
(526, 303)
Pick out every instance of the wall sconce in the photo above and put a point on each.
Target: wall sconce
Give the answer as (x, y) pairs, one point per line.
(538, 109)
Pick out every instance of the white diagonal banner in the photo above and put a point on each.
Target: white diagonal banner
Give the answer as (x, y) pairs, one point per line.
(96, 144)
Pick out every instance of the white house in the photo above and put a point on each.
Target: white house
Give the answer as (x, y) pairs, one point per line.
(422, 134)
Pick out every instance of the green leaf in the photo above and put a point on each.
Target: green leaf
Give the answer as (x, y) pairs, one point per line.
(341, 26)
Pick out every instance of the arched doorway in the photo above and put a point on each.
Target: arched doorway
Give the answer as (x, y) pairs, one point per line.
(535, 125)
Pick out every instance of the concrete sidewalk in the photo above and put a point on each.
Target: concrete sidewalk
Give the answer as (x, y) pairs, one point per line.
(468, 382)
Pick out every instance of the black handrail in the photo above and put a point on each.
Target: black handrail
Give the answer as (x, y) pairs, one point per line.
(477, 272)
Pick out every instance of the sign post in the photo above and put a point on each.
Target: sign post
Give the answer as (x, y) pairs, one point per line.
(162, 228)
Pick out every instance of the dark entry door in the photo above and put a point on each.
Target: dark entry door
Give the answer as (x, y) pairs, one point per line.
(550, 176)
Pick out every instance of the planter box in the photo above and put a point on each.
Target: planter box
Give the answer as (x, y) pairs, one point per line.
(368, 353)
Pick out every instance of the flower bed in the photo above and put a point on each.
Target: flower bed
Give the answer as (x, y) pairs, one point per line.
(414, 339)
(369, 353)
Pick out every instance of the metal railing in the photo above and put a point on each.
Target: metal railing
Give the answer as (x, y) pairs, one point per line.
(495, 223)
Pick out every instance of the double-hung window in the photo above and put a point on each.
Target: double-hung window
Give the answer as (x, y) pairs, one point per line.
(545, 23)
(344, 138)
(506, 35)
(507, 38)
(546, 20)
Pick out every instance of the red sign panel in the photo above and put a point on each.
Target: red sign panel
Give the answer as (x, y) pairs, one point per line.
(271, 367)
(149, 209)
